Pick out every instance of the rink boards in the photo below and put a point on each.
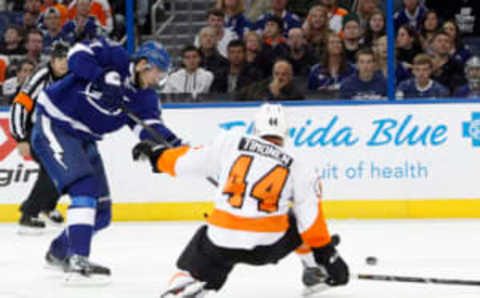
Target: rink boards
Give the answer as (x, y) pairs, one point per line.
(377, 160)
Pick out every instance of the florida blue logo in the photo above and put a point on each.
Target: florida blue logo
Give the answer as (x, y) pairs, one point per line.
(471, 129)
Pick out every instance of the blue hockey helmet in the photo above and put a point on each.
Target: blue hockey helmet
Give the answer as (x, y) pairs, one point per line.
(155, 54)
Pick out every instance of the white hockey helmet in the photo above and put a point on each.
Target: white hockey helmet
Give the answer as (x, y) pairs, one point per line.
(270, 121)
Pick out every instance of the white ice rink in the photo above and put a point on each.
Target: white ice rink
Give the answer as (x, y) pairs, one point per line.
(142, 257)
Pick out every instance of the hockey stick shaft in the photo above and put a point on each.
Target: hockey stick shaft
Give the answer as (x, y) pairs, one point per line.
(415, 279)
(157, 137)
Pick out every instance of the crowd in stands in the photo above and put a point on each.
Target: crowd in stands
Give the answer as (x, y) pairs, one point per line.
(275, 49)
(285, 50)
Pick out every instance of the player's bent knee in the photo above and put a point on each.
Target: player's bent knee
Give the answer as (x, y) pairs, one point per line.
(104, 213)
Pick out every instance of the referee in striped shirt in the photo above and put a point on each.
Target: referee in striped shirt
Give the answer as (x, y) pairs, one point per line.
(43, 197)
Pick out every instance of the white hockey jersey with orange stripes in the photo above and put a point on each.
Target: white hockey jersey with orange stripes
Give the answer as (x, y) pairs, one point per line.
(258, 181)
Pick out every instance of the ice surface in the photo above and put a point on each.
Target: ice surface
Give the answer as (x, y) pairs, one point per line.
(142, 258)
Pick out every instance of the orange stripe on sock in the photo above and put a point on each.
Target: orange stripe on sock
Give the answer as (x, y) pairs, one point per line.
(303, 249)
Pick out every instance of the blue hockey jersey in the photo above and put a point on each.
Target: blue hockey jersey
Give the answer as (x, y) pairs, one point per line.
(290, 21)
(74, 105)
(466, 92)
(409, 89)
(354, 88)
(403, 17)
(320, 78)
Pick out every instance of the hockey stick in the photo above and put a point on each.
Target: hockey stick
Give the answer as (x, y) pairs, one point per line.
(158, 138)
(426, 280)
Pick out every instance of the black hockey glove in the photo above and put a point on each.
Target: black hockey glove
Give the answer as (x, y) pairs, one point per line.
(110, 84)
(336, 267)
(148, 149)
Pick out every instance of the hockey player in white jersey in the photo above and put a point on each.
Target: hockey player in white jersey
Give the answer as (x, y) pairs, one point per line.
(254, 221)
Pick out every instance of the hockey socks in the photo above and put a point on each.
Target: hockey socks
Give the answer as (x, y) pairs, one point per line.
(80, 223)
(306, 256)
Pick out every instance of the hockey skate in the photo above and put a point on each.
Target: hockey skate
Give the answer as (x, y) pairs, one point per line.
(81, 272)
(53, 217)
(183, 285)
(314, 280)
(30, 225)
(54, 263)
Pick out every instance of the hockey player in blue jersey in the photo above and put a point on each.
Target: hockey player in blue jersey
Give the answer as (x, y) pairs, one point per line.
(422, 85)
(72, 115)
(472, 72)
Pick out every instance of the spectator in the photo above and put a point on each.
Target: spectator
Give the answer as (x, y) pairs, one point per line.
(100, 9)
(216, 19)
(421, 86)
(375, 28)
(29, 21)
(430, 25)
(333, 68)
(446, 70)
(34, 46)
(33, 6)
(279, 87)
(459, 51)
(407, 44)
(335, 14)
(211, 58)
(3, 68)
(191, 78)
(62, 10)
(300, 56)
(365, 9)
(301, 7)
(274, 43)
(279, 10)
(411, 15)
(52, 31)
(11, 86)
(472, 88)
(367, 83)
(402, 70)
(255, 54)
(83, 26)
(465, 12)
(316, 28)
(237, 74)
(258, 8)
(235, 18)
(352, 36)
(13, 38)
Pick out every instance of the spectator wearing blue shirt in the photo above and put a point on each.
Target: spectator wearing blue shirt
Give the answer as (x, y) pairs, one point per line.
(235, 18)
(472, 72)
(412, 14)
(52, 30)
(421, 86)
(333, 69)
(290, 20)
(367, 83)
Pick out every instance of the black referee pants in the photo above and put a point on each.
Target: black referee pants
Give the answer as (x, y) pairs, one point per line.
(43, 196)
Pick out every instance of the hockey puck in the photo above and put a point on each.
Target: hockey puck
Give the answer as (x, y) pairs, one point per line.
(371, 260)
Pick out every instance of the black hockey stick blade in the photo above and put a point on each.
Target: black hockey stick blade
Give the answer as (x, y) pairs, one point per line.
(426, 280)
(158, 138)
